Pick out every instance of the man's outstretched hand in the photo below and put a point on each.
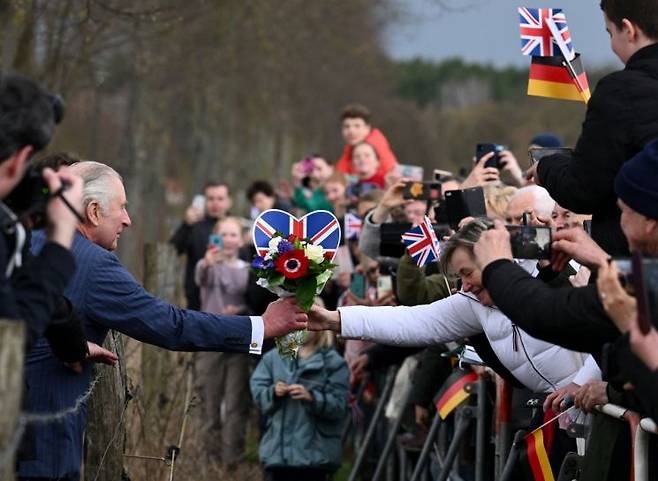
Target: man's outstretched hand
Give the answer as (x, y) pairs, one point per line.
(95, 353)
(282, 317)
(321, 319)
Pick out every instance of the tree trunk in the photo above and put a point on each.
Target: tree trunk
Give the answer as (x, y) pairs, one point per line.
(12, 346)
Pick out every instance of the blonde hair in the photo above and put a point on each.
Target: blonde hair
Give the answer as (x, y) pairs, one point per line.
(336, 178)
(496, 198)
(320, 340)
(235, 220)
(465, 237)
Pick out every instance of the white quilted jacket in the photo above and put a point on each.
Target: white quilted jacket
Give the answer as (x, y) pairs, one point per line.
(541, 366)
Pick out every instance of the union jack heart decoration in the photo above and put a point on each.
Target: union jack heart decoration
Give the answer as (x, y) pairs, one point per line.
(320, 227)
(422, 243)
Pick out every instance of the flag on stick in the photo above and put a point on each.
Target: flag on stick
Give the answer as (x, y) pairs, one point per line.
(552, 77)
(535, 455)
(353, 226)
(422, 243)
(545, 33)
(454, 392)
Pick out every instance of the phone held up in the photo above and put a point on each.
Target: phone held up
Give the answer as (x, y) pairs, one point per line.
(530, 242)
(215, 240)
(486, 148)
(358, 285)
(422, 191)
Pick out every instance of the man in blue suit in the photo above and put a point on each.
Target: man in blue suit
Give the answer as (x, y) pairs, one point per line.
(106, 296)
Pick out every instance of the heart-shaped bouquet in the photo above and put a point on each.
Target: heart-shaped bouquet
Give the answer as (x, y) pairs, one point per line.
(294, 258)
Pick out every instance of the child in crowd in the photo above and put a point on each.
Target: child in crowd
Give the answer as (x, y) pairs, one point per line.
(309, 176)
(222, 379)
(335, 189)
(356, 128)
(262, 197)
(365, 162)
(305, 400)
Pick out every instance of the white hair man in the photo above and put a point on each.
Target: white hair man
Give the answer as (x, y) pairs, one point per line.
(105, 296)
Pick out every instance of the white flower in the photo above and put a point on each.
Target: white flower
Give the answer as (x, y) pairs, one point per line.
(262, 282)
(268, 256)
(314, 253)
(274, 244)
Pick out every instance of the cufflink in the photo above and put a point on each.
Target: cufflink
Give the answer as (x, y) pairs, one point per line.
(254, 344)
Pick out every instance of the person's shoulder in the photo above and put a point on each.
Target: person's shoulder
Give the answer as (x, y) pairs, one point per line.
(332, 359)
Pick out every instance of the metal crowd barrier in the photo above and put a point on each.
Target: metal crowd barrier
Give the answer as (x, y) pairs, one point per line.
(641, 430)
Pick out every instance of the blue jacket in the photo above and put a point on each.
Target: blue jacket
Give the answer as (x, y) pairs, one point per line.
(106, 296)
(302, 433)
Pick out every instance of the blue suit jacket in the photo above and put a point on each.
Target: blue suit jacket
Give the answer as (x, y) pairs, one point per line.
(106, 296)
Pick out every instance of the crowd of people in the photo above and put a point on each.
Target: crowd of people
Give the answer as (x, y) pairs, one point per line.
(567, 329)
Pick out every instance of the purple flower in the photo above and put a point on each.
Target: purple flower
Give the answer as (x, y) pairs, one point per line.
(259, 262)
(285, 246)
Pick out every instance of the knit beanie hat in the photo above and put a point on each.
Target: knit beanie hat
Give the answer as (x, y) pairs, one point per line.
(637, 181)
(547, 140)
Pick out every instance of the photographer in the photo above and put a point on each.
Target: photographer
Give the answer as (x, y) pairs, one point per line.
(31, 289)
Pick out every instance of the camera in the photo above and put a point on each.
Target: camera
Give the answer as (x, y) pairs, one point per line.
(29, 199)
(483, 149)
(530, 242)
(422, 191)
(645, 282)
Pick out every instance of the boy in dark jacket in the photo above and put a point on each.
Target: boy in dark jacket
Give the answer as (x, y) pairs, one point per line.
(622, 116)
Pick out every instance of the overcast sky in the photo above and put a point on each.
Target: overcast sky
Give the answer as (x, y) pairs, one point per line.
(488, 31)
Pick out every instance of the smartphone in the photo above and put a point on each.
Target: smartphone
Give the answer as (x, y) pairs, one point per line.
(216, 240)
(358, 285)
(538, 153)
(645, 280)
(199, 202)
(412, 172)
(384, 286)
(483, 149)
(440, 175)
(587, 225)
(530, 242)
(464, 203)
(625, 269)
(422, 191)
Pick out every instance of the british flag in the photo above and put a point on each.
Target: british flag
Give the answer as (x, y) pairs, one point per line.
(353, 226)
(422, 243)
(320, 227)
(539, 38)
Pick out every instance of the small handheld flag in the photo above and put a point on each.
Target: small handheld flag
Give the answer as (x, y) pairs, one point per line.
(422, 243)
(353, 226)
(551, 77)
(535, 455)
(545, 33)
(454, 392)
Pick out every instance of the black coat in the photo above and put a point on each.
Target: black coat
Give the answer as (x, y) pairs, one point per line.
(192, 240)
(622, 116)
(570, 317)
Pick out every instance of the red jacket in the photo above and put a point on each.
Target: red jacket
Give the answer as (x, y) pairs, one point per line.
(387, 160)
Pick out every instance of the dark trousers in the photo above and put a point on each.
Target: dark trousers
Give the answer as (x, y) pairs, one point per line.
(296, 474)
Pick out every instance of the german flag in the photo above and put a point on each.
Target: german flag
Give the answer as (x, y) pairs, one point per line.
(535, 456)
(453, 392)
(551, 77)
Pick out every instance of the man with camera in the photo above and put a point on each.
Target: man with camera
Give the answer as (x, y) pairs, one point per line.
(31, 289)
(582, 318)
(106, 296)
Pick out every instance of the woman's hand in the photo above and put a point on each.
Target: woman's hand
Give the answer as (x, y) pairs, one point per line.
(393, 197)
(481, 175)
(592, 393)
(619, 306)
(321, 319)
(555, 399)
(95, 353)
(299, 392)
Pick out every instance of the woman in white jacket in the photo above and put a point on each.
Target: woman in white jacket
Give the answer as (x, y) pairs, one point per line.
(540, 366)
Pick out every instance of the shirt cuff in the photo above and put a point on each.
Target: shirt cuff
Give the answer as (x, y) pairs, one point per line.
(257, 335)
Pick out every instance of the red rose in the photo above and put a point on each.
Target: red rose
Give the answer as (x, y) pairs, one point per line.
(292, 264)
